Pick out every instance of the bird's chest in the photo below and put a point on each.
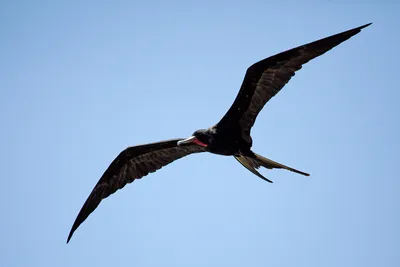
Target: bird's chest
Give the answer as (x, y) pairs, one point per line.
(225, 144)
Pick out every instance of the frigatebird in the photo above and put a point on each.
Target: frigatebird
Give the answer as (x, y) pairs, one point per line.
(230, 136)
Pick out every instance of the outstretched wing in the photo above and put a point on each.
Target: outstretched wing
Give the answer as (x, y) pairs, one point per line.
(266, 78)
(132, 163)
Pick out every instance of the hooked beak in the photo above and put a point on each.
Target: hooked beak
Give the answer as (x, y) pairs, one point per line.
(192, 139)
(186, 141)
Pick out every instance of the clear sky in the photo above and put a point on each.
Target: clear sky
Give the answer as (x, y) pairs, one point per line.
(82, 80)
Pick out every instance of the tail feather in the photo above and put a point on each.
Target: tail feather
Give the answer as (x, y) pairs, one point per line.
(270, 164)
(253, 162)
(249, 164)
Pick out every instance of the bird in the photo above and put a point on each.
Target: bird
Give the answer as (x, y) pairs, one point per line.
(229, 137)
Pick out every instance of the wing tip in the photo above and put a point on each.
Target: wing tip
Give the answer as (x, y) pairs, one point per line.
(358, 29)
(70, 235)
(76, 225)
(364, 26)
(299, 172)
(343, 36)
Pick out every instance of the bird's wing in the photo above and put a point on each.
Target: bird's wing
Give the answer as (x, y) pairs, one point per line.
(132, 163)
(266, 78)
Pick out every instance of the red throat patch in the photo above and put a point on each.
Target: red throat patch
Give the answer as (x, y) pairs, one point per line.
(196, 141)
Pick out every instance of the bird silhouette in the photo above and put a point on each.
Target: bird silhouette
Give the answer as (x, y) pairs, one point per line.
(230, 136)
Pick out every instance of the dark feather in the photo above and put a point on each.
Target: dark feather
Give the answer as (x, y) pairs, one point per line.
(132, 163)
(251, 164)
(266, 78)
(230, 136)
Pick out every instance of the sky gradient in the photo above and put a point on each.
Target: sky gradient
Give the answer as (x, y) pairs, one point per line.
(82, 80)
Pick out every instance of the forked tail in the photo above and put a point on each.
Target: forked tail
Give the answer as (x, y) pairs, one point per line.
(270, 164)
(252, 163)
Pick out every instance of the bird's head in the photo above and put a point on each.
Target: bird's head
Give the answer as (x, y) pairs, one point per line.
(200, 137)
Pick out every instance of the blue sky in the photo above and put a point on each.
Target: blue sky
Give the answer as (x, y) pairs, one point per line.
(80, 81)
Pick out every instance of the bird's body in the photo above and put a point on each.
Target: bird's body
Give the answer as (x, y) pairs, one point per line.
(229, 137)
(225, 142)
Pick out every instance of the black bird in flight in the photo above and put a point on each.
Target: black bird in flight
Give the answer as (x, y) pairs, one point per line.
(230, 136)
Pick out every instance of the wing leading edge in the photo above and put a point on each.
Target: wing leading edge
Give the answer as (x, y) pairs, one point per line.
(266, 78)
(131, 164)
